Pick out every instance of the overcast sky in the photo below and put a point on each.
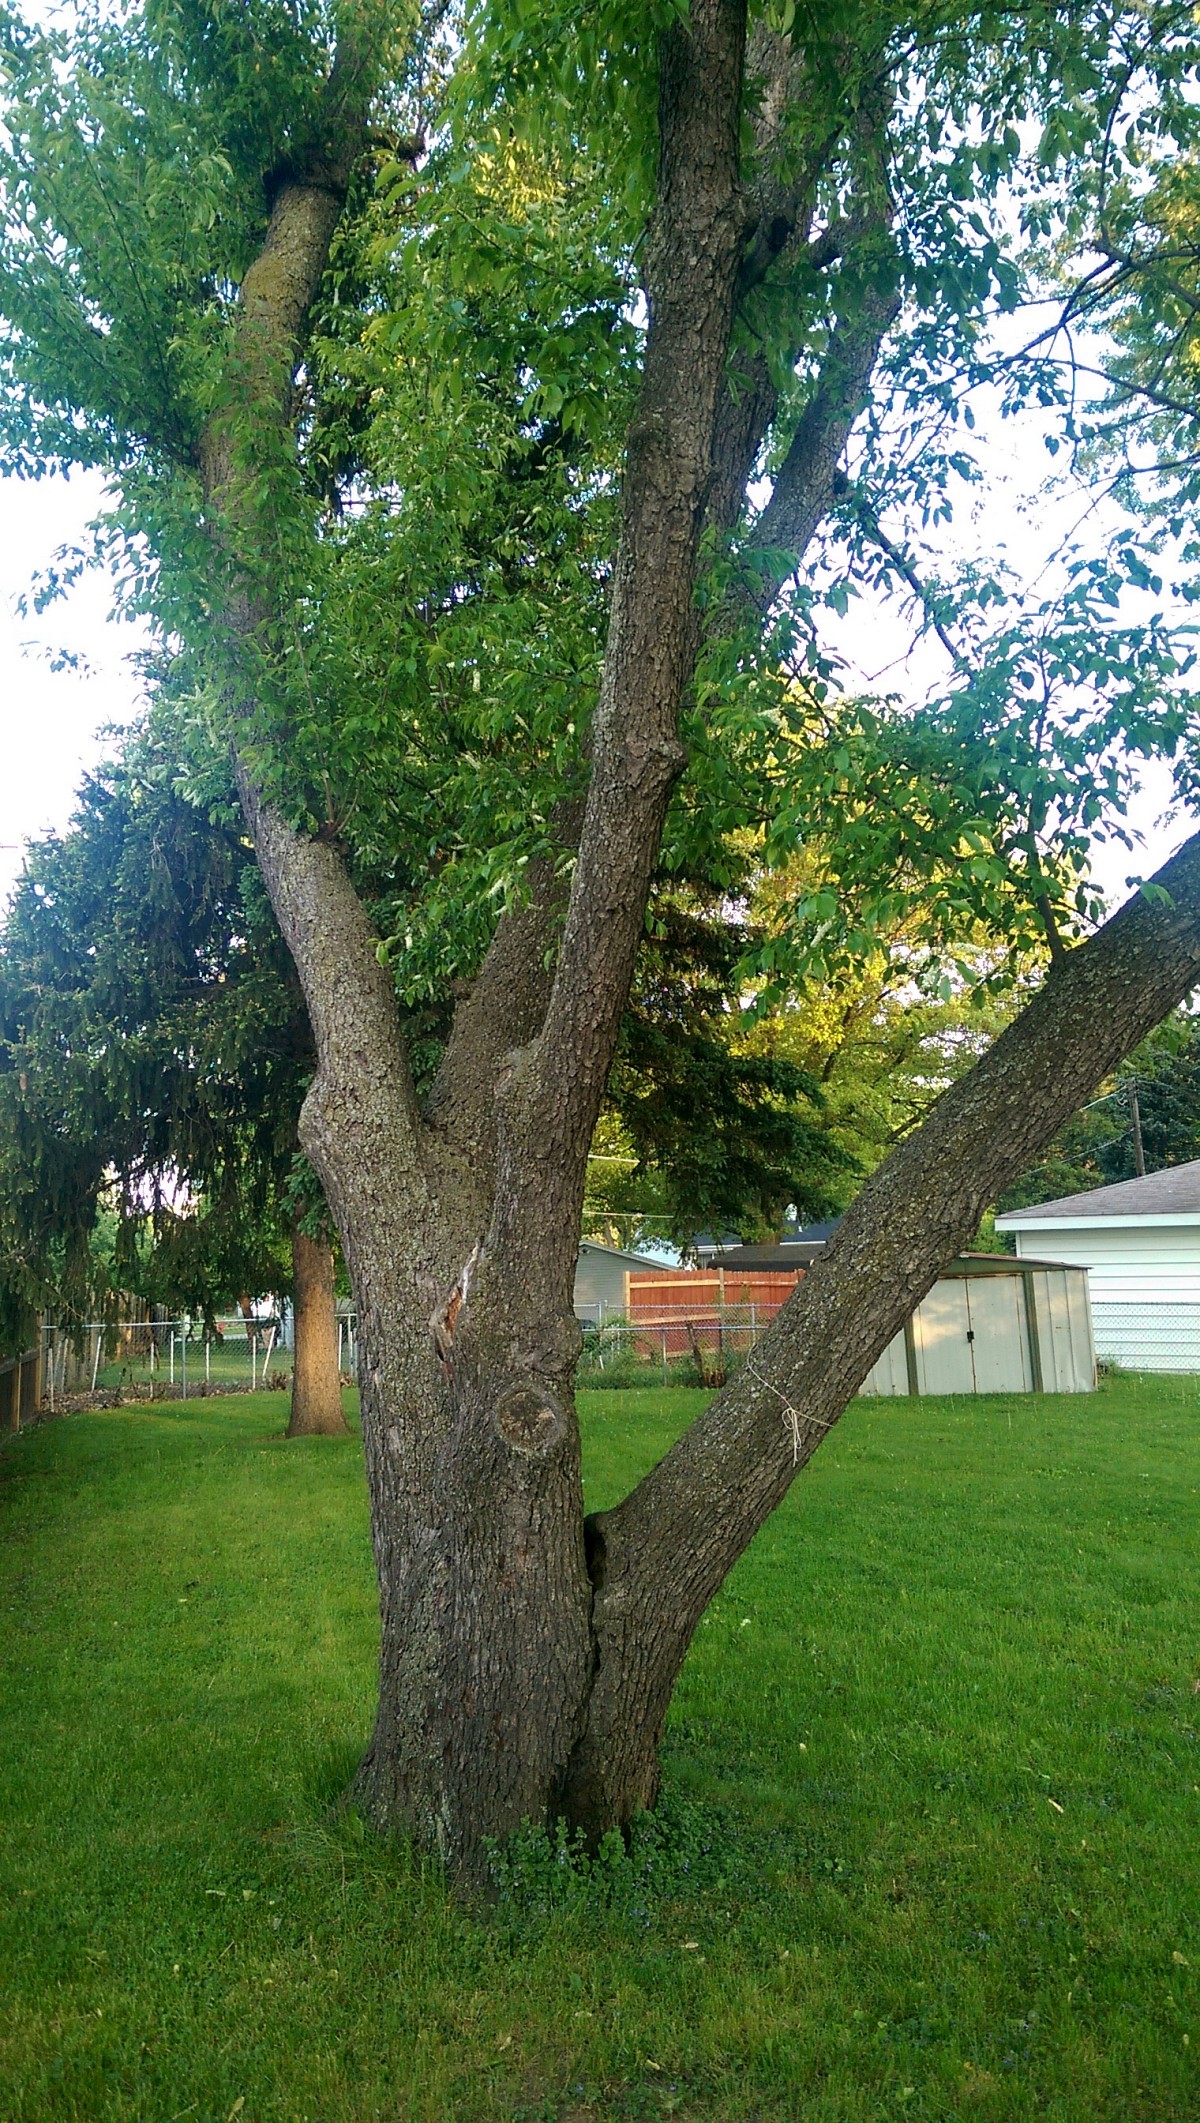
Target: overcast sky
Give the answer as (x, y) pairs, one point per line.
(50, 721)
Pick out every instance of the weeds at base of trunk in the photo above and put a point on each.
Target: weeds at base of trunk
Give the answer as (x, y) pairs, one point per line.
(625, 1372)
(681, 1851)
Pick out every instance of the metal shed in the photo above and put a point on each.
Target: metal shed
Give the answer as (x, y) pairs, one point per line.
(995, 1324)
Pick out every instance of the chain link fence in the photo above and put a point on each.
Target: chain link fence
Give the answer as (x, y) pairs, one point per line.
(178, 1359)
(702, 1346)
(162, 1359)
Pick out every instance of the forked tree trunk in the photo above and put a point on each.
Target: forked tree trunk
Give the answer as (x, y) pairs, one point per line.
(528, 1658)
(529, 1655)
(316, 1409)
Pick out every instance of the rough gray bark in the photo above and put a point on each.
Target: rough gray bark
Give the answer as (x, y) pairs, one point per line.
(316, 1409)
(526, 1661)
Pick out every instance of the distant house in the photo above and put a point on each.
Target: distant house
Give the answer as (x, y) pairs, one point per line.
(796, 1250)
(1140, 1243)
(600, 1278)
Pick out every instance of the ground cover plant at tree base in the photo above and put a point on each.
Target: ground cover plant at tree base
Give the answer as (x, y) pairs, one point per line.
(928, 1841)
(476, 386)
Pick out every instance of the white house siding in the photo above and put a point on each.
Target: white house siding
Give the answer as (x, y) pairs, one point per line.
(1144, 1279)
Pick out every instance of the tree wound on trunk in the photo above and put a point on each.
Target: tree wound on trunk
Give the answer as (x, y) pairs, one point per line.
(444, 1319)
(530, 1420)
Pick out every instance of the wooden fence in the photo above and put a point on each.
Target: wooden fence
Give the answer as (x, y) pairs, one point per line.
(675, 1309)
(20, 1389)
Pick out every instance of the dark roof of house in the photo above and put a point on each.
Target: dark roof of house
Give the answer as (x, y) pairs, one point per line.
(793, 1251)
(794, 1254)
(785, 1253)
(623, 1253)
(1172, 1192)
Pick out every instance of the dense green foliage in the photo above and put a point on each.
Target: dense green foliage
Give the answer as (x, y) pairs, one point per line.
(153, 1054)
(433, 535)
(1096, 1149)
(436, 535)
(929, 1843)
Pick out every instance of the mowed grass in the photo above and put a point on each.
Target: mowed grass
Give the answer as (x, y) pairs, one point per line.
(934, 1763)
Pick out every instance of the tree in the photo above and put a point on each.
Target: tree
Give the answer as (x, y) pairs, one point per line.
(154, 1054)
(733, 1099)
(703, 1128)
(1098, 1147)
(365, 429)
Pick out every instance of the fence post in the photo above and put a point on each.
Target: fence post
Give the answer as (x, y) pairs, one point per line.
(664, 1355)
(183, 1360)
(171, 1359)
(207, 1356)
(253, 1360)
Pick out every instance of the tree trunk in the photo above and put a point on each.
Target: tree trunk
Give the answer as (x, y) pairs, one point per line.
(527, 1658)
(486, 1648)
(316, 1382)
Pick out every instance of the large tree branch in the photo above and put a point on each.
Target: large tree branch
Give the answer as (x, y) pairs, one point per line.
(363, 1085)
(550, 1101)
(506, 1006)
(684, 1526)
(806, 483)
(504, 1010)
(362, 1091)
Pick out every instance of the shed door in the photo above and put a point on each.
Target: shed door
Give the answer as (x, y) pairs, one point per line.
(941, 1325)
(1001, 1346)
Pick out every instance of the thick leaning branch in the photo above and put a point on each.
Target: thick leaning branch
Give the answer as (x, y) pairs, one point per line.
(362, 1089)
(660, 1556)
(505, 1007)
(550, 1103)
(363, 1083)
(806, 484)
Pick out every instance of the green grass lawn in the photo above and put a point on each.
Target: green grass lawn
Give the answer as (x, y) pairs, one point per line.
(933, 1780)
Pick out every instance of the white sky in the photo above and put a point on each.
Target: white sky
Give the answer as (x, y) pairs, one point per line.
(50, 720)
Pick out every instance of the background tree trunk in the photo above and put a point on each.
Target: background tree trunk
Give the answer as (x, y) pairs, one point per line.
(316, 1383)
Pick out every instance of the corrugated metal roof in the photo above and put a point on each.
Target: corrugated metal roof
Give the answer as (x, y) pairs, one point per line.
(1173, 1192)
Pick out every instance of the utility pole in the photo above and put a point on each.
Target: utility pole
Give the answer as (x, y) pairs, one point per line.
(1135, 1115)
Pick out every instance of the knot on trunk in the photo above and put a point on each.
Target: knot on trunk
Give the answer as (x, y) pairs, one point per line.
(531, 1420)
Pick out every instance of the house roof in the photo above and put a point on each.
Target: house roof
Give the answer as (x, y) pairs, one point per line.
(797, 1252)
(621, 1253)
(1173, 1193)
(788, 1253)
